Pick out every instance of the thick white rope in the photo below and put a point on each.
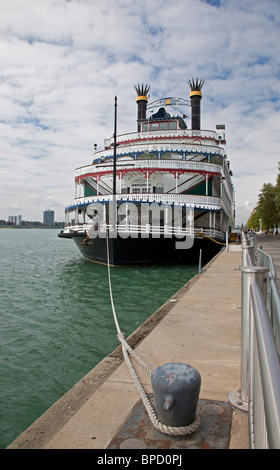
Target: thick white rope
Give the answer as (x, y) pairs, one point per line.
(170, 430)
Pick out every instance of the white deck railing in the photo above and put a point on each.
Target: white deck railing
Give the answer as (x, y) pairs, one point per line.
(184, 133)
(149, 229)
(150, 164)
(175, 162)
(210, 202)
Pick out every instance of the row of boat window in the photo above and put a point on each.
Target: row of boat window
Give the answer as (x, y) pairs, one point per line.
(159, 126)
(143, 189)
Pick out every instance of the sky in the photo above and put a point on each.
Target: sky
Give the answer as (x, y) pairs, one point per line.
(62, 62)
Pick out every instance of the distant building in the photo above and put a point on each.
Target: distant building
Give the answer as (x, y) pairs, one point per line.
(15, 219)
(48, 217)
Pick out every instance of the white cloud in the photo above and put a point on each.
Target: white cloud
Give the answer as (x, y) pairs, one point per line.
(62, 63)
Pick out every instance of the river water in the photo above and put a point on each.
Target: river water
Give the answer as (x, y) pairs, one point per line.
(56, 318)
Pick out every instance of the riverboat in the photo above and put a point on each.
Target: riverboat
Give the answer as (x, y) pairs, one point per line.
(158, 195)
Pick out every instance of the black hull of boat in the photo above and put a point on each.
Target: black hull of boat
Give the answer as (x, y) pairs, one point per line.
(145, 250)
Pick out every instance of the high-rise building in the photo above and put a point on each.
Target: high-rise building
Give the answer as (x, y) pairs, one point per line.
(15, 219)
(48, 217)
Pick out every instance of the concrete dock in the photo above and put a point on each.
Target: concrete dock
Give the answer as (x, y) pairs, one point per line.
(201, 326)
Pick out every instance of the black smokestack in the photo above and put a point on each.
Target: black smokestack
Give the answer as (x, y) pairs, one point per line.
(195, 95)
(142, 101)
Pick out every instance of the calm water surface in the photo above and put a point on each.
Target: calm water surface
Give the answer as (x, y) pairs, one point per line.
(56, 318)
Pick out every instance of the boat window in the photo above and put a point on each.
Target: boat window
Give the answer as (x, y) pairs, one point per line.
(163, 126)
(158, 188)
(172, 125)
(154, 126)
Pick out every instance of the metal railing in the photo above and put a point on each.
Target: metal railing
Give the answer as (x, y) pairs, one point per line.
(155, 146)
(149, 229)
(272, 295)
(196, 201)
(206, 134)
(260, 352)
(122, 165)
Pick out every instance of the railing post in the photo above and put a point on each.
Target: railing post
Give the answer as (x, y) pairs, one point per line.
(247, 249)
(250, 274)
(227, 247)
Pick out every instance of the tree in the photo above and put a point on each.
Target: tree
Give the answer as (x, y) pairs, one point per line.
(268, 207)
(254, 219)
(277, 191)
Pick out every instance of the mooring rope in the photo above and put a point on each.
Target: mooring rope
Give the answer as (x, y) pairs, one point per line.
(210, 238)
(126, 348)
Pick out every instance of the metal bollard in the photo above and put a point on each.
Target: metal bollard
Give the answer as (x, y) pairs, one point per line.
(176, 388)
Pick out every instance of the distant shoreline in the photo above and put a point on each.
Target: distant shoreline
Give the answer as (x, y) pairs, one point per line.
(29, 226)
